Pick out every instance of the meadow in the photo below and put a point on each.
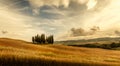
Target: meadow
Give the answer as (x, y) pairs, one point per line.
(20, 53)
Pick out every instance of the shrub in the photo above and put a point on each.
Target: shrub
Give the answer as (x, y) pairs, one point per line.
(91, 45)
(105, 46)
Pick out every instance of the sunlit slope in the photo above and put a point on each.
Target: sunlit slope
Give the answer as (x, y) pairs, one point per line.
(17, 52)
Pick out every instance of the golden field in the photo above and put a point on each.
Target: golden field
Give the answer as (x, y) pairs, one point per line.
(20, 53)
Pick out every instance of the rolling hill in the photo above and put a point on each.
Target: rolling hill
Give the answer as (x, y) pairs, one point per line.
(104, 40)
(20, 53)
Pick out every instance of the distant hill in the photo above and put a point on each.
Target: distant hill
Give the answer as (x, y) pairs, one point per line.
(105, 40)
(20, 53)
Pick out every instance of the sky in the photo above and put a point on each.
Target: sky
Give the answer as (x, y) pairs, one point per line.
(65, 19)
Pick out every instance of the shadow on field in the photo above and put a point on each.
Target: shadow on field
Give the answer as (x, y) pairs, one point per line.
(41, 62)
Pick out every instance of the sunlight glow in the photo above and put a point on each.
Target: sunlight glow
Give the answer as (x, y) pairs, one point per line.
(91, 4)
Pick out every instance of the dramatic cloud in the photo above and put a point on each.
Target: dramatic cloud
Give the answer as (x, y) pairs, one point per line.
(14, 25)
(82, 32)
(37, 4)
(117, 32)
(78, 32)
(24, 18)
(58, 3)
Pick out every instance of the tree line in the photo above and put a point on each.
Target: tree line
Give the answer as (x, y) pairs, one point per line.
(42, 39)
(113, 45)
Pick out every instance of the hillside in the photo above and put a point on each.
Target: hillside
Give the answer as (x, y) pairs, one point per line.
(104, 40)
(20, 53)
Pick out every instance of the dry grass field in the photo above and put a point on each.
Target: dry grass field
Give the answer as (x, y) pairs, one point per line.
(21, 53)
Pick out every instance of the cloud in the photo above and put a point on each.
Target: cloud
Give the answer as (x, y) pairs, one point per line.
(91, 4)
(23, 19)
(117, 33)
(82, 32)
(37, 4)
(94, 29)
(4, 32)
(78, 32)
(15, 25)
(101, 4)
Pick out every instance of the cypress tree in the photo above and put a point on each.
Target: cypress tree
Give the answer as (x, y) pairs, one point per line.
(52, 39)
(33, 39)
(43, 38)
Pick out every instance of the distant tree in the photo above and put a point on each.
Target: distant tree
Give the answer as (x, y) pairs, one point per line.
(37, 38)
(47, 39)
(50, 39)
(105, 46)
(33, 39)
(113, 45)
(43, 38)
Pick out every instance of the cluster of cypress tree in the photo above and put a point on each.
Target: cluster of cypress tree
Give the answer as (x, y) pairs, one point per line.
(42, 39)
